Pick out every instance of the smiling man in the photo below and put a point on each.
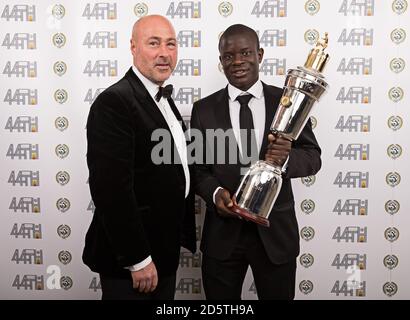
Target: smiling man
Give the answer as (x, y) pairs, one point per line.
(144, 211)
(230, 245)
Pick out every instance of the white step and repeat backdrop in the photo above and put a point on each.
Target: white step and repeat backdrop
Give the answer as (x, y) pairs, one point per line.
(56, 57)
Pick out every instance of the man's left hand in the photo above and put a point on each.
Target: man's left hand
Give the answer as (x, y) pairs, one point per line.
(278, 150)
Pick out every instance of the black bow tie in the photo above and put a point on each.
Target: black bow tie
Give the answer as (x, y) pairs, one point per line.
(164, 92)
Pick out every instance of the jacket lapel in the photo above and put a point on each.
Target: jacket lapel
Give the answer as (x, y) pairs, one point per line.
(144, 98)
(271, 104)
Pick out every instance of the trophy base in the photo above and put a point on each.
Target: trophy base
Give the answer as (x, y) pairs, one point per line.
(245, 214)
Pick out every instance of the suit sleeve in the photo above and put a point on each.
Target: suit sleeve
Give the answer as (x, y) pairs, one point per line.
(204, 181)
(110, 159)
(304, 157)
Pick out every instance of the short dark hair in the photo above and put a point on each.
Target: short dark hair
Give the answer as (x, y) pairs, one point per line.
(236, 29)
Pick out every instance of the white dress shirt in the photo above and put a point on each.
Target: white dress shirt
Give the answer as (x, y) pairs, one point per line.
(177, 134)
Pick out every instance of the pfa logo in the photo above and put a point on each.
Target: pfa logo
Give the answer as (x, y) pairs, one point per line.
(270, 8)
(64, 257)
(356, 37)
(399, 6)
(22, 124)
(311, 36)
(307, 233)
(62, 178)
(307, 206)
(60, 68)
(63, 205)
(19, 12)
(357, 7)
(306, 286)
(390, 289)
(390, 261)
(62, 151)
(225, 8)
(354, 123)
(391, 234)
(100, 11)
(396, 94)
(394, 151)
(352, 207)
(393, 179)
(397, 65)
(312, 7)
(184, 9)
(308, 181)
(59, 39)
(140, 9)
(392, 207)
(20, 41)
(61, 123)
(63, 231)
(61, 96)
(395, 122)
(398, 35)
(306, 260)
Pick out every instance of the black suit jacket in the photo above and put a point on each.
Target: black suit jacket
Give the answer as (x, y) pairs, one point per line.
(281, 239)
(140, 207)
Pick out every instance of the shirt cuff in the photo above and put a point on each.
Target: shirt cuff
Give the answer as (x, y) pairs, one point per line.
(285, 165)
(141, 265)
(216, 190)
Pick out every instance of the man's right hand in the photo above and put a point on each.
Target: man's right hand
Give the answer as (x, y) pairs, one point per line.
(146, 279)
(223, 204)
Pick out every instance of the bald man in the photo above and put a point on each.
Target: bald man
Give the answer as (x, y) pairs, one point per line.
(144, 210)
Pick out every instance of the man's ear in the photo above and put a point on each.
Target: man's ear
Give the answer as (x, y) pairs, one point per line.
(260, 54)
(220, 59)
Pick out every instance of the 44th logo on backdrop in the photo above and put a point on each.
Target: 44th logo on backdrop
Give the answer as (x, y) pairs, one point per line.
(19, 12)
(22, 97)
(28, 256)
(270, 8)
(20, 41)
(100, 11)
(354, 207)
(354, 123)
(184, 9)
(356, 37)
(25, 178)
(357, 7)
(22, 124)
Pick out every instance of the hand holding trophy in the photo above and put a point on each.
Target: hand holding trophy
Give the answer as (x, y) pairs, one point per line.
(303, 87)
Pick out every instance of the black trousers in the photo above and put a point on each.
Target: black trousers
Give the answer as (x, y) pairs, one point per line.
(121, 289)
(223, 279)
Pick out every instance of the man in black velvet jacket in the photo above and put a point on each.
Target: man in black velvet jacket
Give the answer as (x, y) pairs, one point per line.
(231, 245)
(144, 211)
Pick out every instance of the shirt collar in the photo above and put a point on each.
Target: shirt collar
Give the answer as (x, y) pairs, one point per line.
(256, 90)
(149, 85)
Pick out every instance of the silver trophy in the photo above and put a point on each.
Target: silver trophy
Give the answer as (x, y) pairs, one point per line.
(303, 87)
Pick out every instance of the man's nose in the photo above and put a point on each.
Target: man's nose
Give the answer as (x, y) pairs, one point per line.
(164, 50)
(238, 59)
